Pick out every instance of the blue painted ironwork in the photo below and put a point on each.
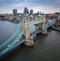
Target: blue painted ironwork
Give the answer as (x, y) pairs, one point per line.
(48, 25)
(13, 44)
(10, 37)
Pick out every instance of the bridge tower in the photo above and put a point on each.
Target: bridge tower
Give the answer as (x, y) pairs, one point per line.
(42, 25)
(44, 30)
(28, 41)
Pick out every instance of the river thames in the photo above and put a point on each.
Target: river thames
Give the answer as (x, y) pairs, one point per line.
(46, 47)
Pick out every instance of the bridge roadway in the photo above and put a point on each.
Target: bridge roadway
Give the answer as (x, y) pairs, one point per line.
(17, 38)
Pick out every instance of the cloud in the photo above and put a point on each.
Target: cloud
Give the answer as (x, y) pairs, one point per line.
(9, 2)
(6, 6)
(57, 2)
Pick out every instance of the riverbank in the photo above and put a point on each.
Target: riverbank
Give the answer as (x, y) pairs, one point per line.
(12, 21)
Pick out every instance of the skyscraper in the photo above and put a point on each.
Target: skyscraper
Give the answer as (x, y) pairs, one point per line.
(15, 12)
(31, 12)
(26, 11)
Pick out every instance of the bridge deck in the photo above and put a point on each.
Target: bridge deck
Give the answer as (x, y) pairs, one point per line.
(15, 40)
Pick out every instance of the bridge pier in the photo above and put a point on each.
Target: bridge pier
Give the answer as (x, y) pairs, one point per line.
(29, 41)
(44, 30)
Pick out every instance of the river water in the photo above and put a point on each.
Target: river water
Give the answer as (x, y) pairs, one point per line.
(6, 30)
(46, 48)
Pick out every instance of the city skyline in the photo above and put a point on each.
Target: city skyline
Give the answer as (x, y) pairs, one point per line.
(46, 6)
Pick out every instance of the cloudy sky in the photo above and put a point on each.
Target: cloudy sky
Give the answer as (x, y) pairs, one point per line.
(46, 6)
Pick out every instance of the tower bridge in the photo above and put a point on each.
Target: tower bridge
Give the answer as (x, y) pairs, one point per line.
(24, 28)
